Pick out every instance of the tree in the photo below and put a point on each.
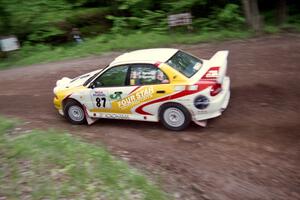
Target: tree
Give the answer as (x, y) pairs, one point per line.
(281, 11)
(252, 15)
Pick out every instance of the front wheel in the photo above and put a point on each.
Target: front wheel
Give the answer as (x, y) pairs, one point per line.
(74, 112)
(175, 117)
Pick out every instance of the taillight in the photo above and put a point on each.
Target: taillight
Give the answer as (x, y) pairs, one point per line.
(215, 89)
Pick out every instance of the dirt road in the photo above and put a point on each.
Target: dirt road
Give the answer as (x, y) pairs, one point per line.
(251, 152)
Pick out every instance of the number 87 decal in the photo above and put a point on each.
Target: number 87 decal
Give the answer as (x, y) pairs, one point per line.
(100, 102)
(100, 99)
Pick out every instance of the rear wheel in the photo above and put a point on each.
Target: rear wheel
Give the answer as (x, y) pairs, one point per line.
(174, 117)
(74, 112)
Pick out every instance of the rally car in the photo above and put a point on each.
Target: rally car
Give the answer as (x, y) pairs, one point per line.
(157, 85)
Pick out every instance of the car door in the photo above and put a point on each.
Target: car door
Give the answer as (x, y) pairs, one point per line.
(152, 89)
(110, 87)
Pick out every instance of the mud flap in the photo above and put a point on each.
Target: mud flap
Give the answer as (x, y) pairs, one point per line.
(202, 123)
(89, 120)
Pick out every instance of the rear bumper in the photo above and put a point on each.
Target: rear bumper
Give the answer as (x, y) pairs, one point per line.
(217, 104)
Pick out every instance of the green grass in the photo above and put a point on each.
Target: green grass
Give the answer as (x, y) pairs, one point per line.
(51, 165)
(105, 43)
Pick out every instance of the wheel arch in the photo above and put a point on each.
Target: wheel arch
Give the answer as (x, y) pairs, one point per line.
(68, 98)
(89, 119)
(169, 104)
(69, 101)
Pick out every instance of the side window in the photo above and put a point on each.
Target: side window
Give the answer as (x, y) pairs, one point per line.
(145, 74)
(115, 76)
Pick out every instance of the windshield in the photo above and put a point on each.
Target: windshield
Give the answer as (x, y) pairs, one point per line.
(185, 63)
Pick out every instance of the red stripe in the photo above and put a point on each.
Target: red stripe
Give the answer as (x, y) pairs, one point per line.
(135, 89)
(157, 64)
(171, 97)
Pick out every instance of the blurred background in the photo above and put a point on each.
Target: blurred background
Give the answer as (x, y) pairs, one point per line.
(50, 30)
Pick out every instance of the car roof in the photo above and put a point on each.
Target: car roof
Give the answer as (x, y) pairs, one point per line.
(145, 56)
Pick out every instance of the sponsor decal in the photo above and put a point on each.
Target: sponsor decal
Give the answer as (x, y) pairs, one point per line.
(136, 98)
(201, 111)
(197, 66)
(201, 102)
(115, 116)
(98, 94)
(116, 96)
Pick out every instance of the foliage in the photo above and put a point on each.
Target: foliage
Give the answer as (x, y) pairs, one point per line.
(184, 6)
(55, 165)
(120, 24)
(229, 18)
(151, 21)
(41, 25)
(35, 19)
(154, 20)
(271, 29)
(48, 21)
(135, 7)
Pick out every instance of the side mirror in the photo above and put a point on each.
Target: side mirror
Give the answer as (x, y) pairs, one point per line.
(96, 84)
(93, 85)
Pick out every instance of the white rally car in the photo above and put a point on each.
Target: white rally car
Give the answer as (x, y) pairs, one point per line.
(164, 84)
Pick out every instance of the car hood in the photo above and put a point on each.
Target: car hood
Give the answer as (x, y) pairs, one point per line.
(67, 83)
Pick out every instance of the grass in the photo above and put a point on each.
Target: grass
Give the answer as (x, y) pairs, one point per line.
(51, 165)
(41, 53)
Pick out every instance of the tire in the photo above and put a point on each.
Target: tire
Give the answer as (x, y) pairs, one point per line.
(74, 112)
(174, 116)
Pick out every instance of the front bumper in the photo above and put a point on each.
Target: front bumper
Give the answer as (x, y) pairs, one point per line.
(58, 105)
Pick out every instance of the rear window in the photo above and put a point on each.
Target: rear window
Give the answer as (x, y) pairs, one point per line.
(185, 63)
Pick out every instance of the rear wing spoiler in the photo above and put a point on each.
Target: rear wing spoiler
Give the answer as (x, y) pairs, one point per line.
(219, 59)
